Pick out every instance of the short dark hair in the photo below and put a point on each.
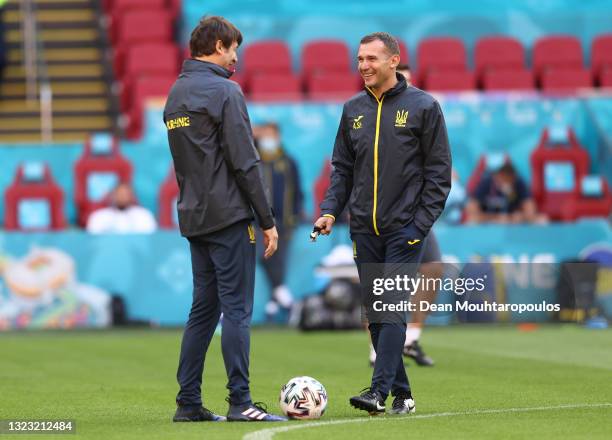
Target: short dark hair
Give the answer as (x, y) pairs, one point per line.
(273, 125)
(507, 169)
(209, 30)
(403, 67)
(388, 40)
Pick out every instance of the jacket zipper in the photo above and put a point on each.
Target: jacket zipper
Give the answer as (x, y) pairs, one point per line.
(380, 102)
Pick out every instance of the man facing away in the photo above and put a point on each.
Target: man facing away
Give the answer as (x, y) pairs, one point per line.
(392, 165)
(220, 186)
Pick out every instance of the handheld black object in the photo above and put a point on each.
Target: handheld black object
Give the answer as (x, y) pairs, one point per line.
(315, 233)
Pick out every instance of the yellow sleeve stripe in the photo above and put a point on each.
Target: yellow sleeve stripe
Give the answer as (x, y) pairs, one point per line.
(330, 216)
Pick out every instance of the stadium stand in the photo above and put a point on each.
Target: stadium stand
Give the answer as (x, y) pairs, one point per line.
(70, 57)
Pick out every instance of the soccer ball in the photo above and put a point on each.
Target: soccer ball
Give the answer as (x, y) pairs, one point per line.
(303, 398)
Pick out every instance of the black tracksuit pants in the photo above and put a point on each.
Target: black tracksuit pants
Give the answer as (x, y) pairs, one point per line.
(223, 265)
(387, 255)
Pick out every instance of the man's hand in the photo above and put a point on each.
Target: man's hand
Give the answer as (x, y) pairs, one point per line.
(325, 224)
(270, 237)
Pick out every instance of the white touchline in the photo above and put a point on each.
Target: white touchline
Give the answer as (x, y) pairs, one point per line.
(267, 434)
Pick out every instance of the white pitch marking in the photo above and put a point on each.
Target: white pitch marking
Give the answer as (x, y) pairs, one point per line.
(267, 434)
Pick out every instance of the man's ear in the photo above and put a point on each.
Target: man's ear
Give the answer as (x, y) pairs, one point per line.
(395, 60)
(219, 47)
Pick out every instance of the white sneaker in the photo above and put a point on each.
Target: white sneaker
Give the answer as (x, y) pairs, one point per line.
(283, 296)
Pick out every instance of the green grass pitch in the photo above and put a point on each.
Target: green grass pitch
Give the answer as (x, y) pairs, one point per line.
(489, 382)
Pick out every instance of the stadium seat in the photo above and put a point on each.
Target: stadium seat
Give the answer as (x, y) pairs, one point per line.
(601, 55)
(605, 79)
(498, 53)
(325, 56)
(144, 89)
(34, 205)
(151, 58)
(404, 56)
(240, 79)
(334, 86)
(96, 173)
(556, 51)
(275, 87)
(555, 160)
(441, 54)
(156, 58)
(166, 201)
(143, 26)
(565, 80)
(584, 205)
(270, 56)
(118, 7)
(147, 61)
(506, 80)
(448, 81)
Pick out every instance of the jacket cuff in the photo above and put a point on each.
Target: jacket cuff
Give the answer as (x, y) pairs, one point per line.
(329, 215)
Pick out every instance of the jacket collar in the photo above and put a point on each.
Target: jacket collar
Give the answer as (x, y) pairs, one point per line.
(399, 87)
(193, 65)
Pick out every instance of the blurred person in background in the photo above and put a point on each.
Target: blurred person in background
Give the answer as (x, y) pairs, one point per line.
(123, 216)
(282, 178)
(502, 197)
(2, 41)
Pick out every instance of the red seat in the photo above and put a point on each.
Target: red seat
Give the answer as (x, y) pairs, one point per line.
(151, 58)
(441, 54)
(88, 163)
(566, 80)
(334, 86)
(551, 203)
(166, 201)
(146, 25)
(143, 90)
(147, 61)
(449, 81)
(506, 80)
(21, 190)
(240, 79)
(271, 56)
(498, 53)
(556, 51)
(583, 206)
(601, 55)
(118, 7)
(275, 87)
(404, 56)
(325, 56)
(605, 79)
